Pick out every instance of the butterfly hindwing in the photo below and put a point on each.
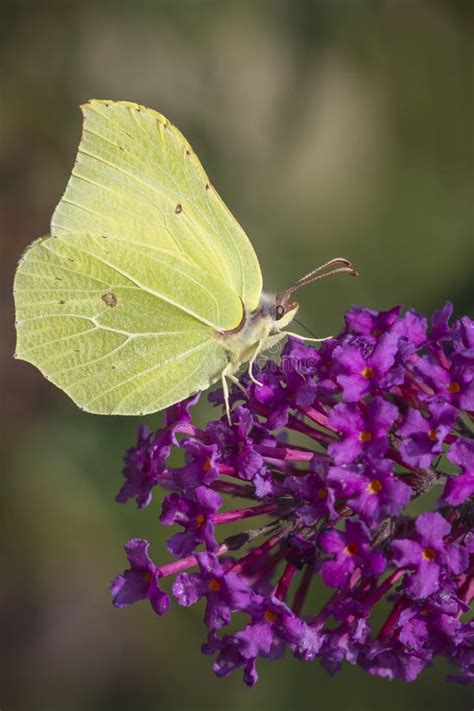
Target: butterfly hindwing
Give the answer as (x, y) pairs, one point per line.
(111, 343)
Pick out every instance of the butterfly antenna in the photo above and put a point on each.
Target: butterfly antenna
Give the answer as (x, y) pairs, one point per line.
(339, 265)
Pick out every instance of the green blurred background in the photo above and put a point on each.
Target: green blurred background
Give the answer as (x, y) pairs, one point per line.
(330, 128)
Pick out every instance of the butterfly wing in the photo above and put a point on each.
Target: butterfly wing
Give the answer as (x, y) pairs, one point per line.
(137, 179)
(122, 331)
(119, 308)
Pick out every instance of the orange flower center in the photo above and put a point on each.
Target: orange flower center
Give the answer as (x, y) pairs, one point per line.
(147, 577)
(376, 332)
(351, 549)
(367, 373)
(322, 493)
(214, 585)
(207, 465)
(375, 486)
(199, 520)
(269, 616)
(453, 387)
(429, 554)
(433, 435)
(365, 436)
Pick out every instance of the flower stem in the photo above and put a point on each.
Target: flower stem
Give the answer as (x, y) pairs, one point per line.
(238, 514)
(184, 563)
(257, 553)
(392, 619)
(286, 454)
(285, 581)
(384, 587)
(246, 492)
(302, 590)
(315, 416)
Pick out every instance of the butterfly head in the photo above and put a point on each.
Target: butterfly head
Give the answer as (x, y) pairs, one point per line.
(276, 311)
(284, 311)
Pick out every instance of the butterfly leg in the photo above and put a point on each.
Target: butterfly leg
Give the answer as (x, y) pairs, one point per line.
(252, 362)
(237, 382)
(227, 373)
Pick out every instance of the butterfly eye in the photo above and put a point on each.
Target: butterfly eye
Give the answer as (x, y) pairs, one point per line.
(279, 312)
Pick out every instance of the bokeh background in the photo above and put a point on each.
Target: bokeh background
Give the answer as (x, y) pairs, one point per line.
(338, 127)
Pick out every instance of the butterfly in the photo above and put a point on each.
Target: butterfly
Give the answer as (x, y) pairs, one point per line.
(147, 289)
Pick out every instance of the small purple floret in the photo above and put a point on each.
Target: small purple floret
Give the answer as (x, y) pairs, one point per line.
(350, 550)
(140, 581)
(225, 591)
(429, 555)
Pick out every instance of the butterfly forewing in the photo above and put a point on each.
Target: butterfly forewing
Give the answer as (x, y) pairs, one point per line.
(137, 179)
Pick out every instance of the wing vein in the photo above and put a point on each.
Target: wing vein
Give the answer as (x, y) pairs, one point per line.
(93, 360)
(188, 377)
(187, 195)
(156, 293)
(144, 372)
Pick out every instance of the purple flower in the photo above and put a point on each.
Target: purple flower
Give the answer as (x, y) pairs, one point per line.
(423, 437)
(195, 514)
(440, 329)
(366, 370)
(316, 495)
(422, 629)
(145, 464)
(229, 658)
(326, 385)
(371, 489)
(346, 642)
(236, 444)
(178, 416)
(225, 591)
(462, 654)
(464, 333)
(140, 581)
(258, 639)
(361, 432)
(298, 364)
(390, 660)
(459, 488)
(262, 636)
(270, 395)
(351, 550)
(371, 325)
(428, 555)
(412, 328)
(273, 626)
(365, 322)
(279, 620)
(454, 383)
(201, 465)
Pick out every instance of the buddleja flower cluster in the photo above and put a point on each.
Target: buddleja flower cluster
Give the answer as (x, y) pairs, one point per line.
(350, 468)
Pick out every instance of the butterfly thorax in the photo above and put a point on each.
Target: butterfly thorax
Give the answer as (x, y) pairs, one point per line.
(259, 329)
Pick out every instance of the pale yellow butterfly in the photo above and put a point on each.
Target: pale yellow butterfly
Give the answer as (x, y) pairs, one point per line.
(147, 289)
